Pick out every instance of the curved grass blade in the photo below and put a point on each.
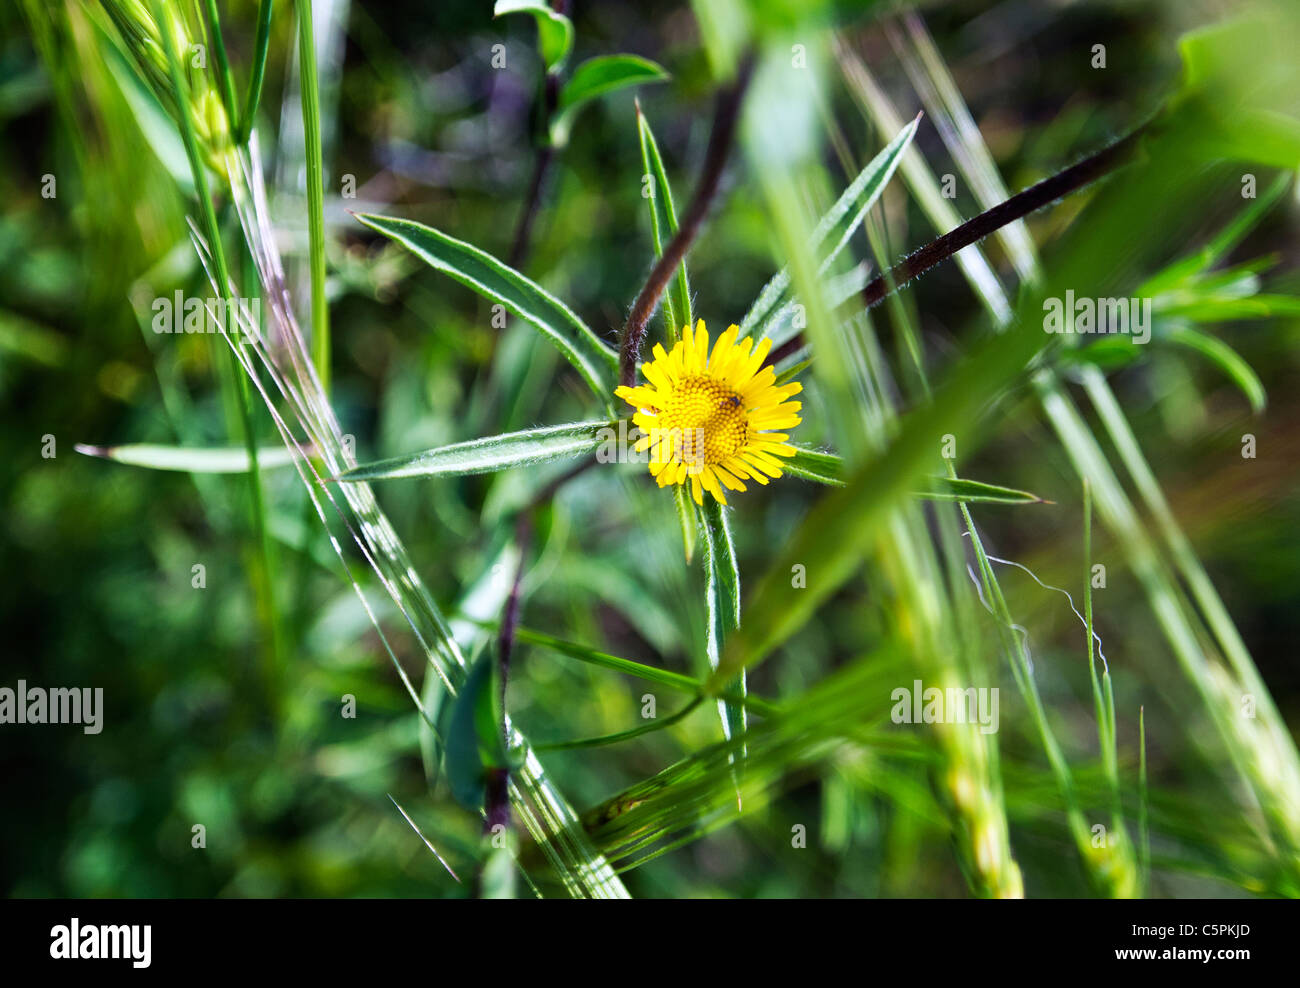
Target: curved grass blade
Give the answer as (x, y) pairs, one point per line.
(597, 77)
(514, 449)
(627, 735)
(188, 459)
(650, 674)
(1227, 360)
(479, 270)
(350, 511)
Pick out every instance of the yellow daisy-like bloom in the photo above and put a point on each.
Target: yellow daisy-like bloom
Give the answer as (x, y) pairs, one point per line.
(709, 416)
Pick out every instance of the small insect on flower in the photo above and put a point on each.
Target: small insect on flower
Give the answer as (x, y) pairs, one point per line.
(709, 416)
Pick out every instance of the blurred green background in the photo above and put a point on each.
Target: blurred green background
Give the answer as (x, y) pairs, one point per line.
(201, 726)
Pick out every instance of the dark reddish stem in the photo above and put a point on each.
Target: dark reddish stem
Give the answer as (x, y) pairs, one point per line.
(726, 114)
(1017, 207)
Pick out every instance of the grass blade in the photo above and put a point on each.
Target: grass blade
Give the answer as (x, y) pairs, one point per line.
(1227, 360)
(309, 93)
(187, 459)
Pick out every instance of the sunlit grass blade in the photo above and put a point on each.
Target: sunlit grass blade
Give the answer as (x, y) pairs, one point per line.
(541, 808)
(189, 459)
(427, 843)
(677, 300)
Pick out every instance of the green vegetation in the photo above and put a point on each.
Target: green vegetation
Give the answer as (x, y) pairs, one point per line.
(383, 600)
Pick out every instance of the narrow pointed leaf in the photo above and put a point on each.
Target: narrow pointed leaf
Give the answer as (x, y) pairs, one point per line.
(839, 224)
(493, 453)
(723, 597)
(827, 468)
(596, 362)
(189, 459)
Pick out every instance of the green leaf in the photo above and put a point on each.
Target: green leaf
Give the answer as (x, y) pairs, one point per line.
(976, 492)
(1234, 102)
(594, 78)
(475, 742)
(1227, 360)
(839, 224)
(686, 520)
(722, 592)
(554, 31)
(594, 360)
(155, 124)
(663, 225)
(1188, 267)
(827, 468)
(493, 453)
(819, 467)
(483, 599)
(1223, 309)
(189, 459)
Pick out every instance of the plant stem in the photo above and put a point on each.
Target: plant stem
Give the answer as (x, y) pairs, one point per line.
(309, 94)
(725, 116)
(224, 76)
(541, 167)
(212, 231)
(260, 47)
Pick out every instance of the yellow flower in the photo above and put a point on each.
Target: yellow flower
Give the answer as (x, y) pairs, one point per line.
(708, 416)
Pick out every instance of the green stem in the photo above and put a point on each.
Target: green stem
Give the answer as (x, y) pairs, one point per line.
(309, 94)
(212, 231)
(224, 76)
(260, 47)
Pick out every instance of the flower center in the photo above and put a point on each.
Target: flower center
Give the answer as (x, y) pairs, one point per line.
(711, 417)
